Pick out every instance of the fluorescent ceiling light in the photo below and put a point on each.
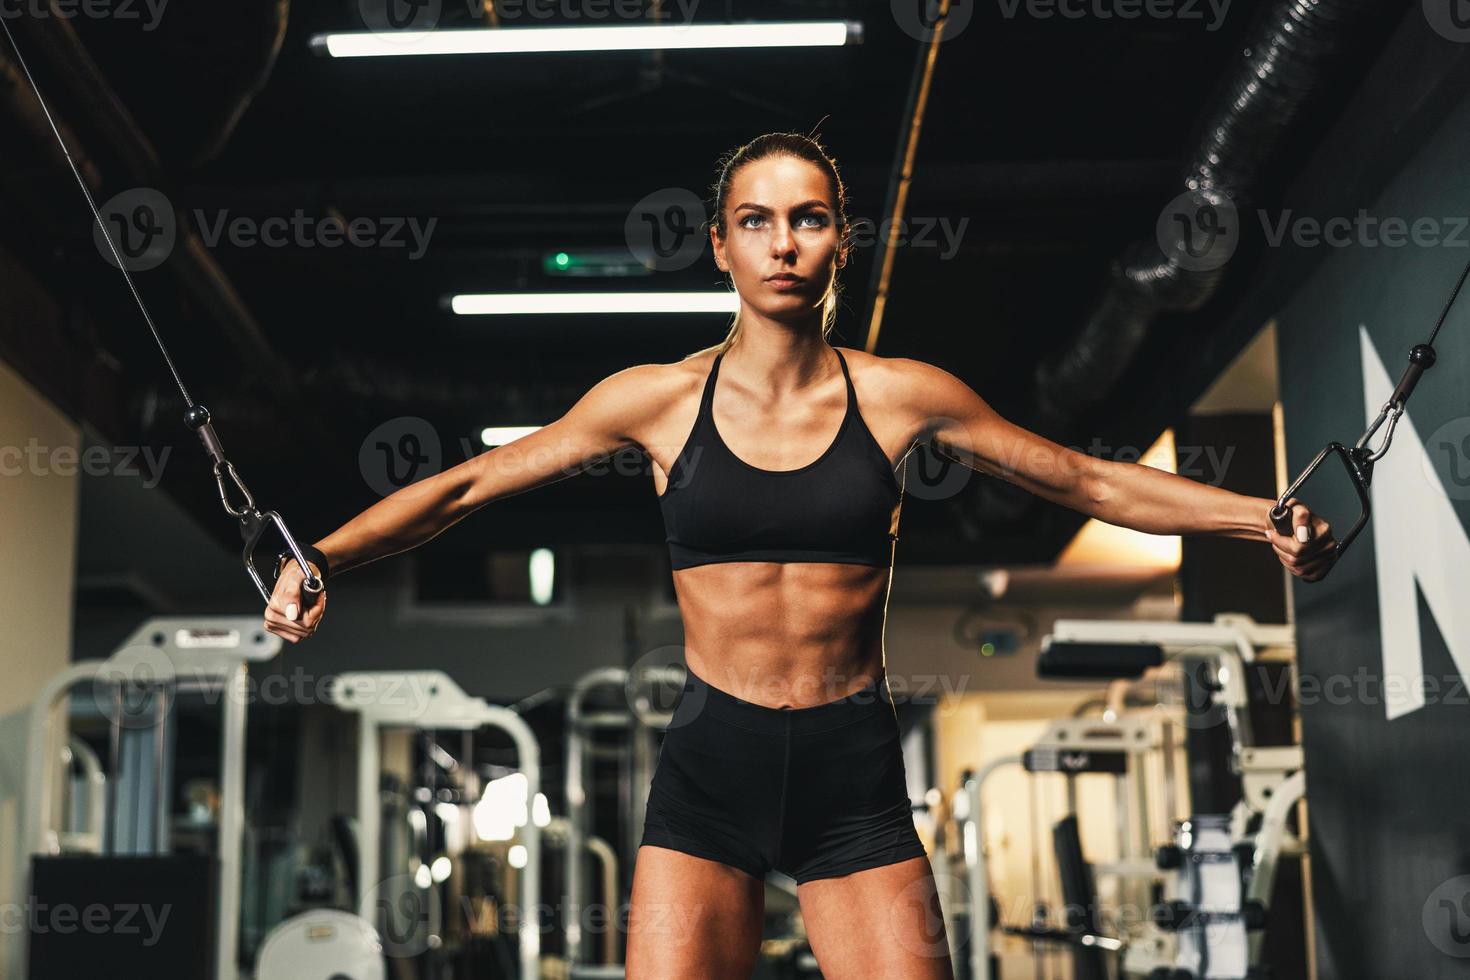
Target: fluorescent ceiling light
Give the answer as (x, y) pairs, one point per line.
(633, 37)
(487, 304)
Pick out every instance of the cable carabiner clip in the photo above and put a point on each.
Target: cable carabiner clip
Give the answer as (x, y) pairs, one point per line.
(220, 469)
(1359, 460)
(253, 523)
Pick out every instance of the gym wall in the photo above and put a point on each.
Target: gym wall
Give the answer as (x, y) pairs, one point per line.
(38, 528)
(1386, 774)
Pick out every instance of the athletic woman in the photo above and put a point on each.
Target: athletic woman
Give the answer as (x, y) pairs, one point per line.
(777, 459)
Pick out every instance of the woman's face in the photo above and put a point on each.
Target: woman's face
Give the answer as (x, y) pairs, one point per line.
(781, 237)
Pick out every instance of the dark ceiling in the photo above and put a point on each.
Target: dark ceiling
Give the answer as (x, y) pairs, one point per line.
(1055, 141)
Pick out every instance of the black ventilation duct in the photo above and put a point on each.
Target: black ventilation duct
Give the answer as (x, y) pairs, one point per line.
(1292, 54)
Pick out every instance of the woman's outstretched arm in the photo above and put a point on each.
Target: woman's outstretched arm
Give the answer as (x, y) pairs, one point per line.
(959, 423)
(609, 417)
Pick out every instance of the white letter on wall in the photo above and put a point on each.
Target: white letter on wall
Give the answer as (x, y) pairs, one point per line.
(1419, 539)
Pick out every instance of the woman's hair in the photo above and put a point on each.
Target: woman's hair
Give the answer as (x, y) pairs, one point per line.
(791, 145)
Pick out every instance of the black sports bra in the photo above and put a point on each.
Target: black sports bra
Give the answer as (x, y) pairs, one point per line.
(841, 507)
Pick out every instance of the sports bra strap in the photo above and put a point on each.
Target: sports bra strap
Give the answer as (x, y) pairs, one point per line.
(708, 398)
(847, 375)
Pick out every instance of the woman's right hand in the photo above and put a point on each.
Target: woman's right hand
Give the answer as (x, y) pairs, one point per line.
(287, 615)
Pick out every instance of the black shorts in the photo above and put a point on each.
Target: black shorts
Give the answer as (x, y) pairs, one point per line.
(813, 792)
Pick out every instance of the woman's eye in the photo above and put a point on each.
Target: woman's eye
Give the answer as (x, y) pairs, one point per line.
(817, 221)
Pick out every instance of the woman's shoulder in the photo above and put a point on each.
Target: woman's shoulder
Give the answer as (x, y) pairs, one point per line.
(670, 378)
(861, 360)
(649, 390)
(890, 375)
(905, 384)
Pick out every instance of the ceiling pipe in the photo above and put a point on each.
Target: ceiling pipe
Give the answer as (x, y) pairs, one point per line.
(104, 138)
(21, 110)
(235, 45)
(902, 174)
(1290, 56)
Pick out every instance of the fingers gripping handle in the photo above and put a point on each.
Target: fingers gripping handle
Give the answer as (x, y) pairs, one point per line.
(1359, 467)
(253, 528)
(1281, 518)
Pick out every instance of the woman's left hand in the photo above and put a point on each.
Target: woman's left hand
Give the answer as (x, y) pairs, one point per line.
(1310, 551)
